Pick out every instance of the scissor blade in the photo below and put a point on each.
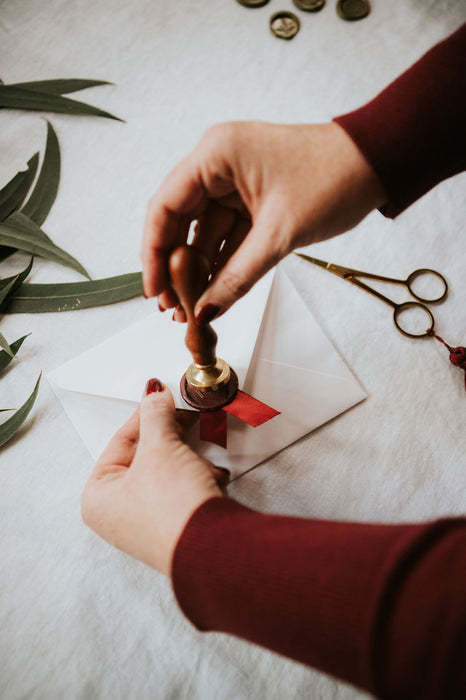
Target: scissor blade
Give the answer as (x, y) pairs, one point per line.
(331, 267)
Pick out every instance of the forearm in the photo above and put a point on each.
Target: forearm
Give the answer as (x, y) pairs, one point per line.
(414, 132)
(353, 600)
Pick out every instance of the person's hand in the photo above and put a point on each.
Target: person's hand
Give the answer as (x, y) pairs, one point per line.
(257, 192)
(148, 482)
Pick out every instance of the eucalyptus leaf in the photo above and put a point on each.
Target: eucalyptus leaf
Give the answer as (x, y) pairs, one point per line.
(5, 358)
(15, 191)
(20, 98)
(11, 426)
(6, 347)
(19, 232)
(45, 191)
(7, 289)
(14, 282)
(43, 298)
(61, 86)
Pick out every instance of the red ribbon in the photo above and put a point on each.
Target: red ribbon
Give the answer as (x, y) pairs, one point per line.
(213, 427)
(457, 355)
(213, 424)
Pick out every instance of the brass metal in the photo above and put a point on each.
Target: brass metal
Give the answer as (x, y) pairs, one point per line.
(253, 3)
(350, 275)
(398, 310)
(352, 10)
(284, 25)
(208, 377)
(309, 5)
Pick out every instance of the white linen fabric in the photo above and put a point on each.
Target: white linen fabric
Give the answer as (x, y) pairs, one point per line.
(79, 619)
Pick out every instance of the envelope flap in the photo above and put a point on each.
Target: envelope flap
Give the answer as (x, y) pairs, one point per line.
(293, 368)
(290, 334)
(154, 347)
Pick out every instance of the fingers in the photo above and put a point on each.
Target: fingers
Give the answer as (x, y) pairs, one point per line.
(157, 415)
(260, 250)
(221, 476)
(120, 450)
(231, 244)
(186, 418)
(180, 197)
(168, 299)
(214, 228)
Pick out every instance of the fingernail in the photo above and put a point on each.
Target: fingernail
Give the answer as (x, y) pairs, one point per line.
(154, 385)
(224, 471)
(161, 308)
(145, 295)
(207, 313)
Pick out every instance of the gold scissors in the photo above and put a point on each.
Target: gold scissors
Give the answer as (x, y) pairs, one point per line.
(352, 276)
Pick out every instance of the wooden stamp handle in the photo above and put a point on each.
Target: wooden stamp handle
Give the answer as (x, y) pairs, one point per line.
(189, 272)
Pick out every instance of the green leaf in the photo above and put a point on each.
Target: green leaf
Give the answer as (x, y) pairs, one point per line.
(43, 195)
(19, 232)
(14, 282)
(61, 86)
(42, 298)
(6, 290)
(14, 192)
(10, 427)
(19, 98)
(4, 344)
(5, 358)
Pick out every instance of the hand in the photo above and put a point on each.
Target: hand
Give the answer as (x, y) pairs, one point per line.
(257, 192)
(148, 482)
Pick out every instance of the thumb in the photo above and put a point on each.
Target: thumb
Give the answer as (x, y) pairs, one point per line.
(255, 256)
(157, 414)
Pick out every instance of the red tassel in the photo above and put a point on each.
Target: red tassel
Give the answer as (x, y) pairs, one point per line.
(457, 355)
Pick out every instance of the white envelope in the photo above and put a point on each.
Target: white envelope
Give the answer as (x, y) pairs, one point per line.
(271, 339)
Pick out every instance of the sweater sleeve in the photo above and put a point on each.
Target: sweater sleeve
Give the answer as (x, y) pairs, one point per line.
(414, 132)
(379, 606)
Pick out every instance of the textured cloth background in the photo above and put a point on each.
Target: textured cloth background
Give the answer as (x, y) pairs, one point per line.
(77, 618)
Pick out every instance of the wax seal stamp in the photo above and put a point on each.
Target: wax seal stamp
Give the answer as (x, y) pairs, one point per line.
(309, 5)
(253, 3)
(284, 25)
(352, 10)
(209, 382)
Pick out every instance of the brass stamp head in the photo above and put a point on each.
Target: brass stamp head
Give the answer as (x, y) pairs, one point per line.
(208, 377)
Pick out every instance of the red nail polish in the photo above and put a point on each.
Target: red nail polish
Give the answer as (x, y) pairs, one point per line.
(153, 385)
(207, 313)
(145, 295)
(161, 308)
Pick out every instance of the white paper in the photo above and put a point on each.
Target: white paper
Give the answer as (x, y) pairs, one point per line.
(285, 361)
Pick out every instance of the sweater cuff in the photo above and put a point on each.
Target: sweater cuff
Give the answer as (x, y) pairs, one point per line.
(303, 588)
(413, 132)
(192, 565)
(367, 603)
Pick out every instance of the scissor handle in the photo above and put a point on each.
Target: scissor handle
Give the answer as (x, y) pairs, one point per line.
(399, 308)
(426, 271)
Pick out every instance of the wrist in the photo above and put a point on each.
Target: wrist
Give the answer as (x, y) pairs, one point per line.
(366, 181)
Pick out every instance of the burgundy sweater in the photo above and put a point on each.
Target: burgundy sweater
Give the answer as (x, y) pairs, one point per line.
(379, 606)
